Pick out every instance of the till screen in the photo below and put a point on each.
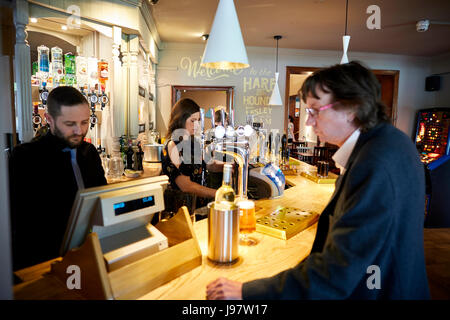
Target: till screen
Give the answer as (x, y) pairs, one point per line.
(133, 205)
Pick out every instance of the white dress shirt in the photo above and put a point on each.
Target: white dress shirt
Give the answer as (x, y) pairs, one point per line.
(343, 153)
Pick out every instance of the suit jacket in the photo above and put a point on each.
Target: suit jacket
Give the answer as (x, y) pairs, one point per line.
(43, 188)
(374, 218)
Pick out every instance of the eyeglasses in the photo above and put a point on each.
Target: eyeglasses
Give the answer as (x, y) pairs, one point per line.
(315, 112)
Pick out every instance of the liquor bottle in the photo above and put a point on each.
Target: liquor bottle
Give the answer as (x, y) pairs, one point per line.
(44, 63)
(81, 66)
(225, 194)
(57, 65)
(103, 72)
(35, 68)
(69, 68)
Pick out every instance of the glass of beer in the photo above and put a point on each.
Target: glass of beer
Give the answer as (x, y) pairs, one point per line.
(247, 222)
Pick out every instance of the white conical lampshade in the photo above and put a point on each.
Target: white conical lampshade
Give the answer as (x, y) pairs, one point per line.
(345, 43)
(225, 48)
(275, 98)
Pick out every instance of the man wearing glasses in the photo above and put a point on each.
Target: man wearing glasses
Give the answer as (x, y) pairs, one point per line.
(374, 220)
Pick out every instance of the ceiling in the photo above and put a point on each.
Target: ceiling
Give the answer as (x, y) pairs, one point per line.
(315, 24)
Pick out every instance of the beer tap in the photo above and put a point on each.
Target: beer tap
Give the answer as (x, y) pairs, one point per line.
(237, 146)
(37, 120)
(93, 99)
(240, 151)
(202, 145)
(43, 93)
(104, 99)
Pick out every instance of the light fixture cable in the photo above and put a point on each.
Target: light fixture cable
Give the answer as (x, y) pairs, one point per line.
(346, 37)
(277, 38)
(346, 16)
(275, 98)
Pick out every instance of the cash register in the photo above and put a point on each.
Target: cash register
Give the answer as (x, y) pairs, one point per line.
(120, 215)
(111, 240)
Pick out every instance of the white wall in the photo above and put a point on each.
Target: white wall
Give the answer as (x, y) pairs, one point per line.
(180, 65)
(441, 64)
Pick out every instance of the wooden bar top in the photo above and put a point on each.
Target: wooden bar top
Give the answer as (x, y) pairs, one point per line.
(269, 257)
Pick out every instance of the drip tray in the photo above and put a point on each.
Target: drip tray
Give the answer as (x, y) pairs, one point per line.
(285, 222)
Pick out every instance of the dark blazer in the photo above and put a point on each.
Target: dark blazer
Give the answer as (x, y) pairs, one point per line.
(375, 217)
(43, 188)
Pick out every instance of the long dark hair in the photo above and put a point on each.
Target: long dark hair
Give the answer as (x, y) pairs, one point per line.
(181, 111)
(355, 87)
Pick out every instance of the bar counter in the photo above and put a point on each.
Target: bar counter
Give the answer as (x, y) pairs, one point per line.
(268, 257)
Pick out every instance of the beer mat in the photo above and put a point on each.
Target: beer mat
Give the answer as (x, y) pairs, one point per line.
(285, 222)
(289, 172)
(314, 177)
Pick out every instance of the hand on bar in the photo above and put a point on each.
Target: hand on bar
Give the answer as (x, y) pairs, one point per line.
(224, 289)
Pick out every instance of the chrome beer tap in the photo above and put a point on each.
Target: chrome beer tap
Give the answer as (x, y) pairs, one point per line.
(236, 145)
(203, 144)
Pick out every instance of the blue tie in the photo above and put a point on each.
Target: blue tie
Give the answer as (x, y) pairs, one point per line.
(75, 167)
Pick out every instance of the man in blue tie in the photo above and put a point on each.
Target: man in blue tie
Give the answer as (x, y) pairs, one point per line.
(45, 175)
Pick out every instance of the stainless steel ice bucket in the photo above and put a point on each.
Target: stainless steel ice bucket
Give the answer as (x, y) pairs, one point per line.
(223, 234)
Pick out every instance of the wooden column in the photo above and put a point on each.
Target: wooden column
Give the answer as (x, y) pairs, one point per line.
(133, 86)
(22, 72)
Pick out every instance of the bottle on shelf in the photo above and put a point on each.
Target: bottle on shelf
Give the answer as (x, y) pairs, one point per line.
(57, 66)
(70, 68)
(44, 63)
(225, 195)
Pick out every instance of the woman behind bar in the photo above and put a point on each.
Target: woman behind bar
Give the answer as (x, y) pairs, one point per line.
(369, 240)
(181, 160)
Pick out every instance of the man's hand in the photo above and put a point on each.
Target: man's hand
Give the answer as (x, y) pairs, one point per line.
(224, 289)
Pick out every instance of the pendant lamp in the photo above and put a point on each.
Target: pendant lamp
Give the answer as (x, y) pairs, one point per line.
(275, 99)
(225, 48)
(345, 38)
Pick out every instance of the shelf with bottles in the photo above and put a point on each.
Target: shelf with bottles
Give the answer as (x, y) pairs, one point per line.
(54, 68)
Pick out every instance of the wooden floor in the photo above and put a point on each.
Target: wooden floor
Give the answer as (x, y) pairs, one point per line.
(437, 259)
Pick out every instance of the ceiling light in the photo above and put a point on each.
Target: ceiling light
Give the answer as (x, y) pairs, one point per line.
(275, 98)
(345, 38)
(33, 20)
(64, 27)
(205, 37)
(225, 48)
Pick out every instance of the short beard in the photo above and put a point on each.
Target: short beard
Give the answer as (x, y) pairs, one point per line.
(60, 135)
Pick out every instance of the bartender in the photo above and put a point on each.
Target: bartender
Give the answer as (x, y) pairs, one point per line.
(182, 161)
(45, 175)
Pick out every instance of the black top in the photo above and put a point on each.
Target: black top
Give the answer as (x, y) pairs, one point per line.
(192, 166)
(191, 162)
(43, 188)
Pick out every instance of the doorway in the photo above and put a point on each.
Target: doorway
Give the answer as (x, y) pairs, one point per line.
(208, 98)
